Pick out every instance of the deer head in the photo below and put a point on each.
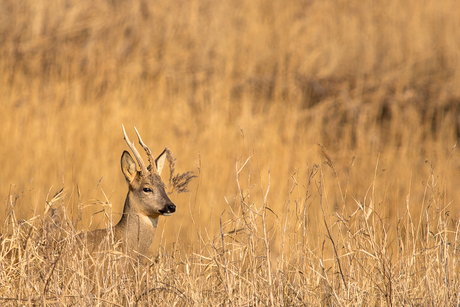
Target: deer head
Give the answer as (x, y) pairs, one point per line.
(146, 195)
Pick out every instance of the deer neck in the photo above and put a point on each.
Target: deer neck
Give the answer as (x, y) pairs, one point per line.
(136, 231)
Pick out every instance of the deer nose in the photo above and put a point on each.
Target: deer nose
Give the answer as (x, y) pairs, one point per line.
(172, 208)
(168, 209)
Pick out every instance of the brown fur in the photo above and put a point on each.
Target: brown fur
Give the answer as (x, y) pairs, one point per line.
(145, 202)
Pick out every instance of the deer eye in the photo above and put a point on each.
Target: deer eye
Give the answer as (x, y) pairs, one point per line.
(147, 190)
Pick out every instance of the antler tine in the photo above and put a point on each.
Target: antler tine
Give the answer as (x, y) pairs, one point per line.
(147, 151)
(135, 152)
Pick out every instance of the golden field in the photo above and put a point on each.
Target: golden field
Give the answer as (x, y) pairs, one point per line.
(323, 134)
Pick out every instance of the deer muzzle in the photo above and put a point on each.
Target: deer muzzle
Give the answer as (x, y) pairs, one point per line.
(168, 210)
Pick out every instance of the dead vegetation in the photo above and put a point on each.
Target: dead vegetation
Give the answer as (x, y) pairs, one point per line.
(363, 259)
(369, 216)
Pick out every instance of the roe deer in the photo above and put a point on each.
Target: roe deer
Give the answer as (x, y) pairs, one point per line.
(145, 202)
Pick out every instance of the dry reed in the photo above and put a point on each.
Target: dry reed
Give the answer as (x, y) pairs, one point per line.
(259, 83)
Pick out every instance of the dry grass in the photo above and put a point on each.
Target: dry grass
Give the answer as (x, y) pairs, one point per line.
(322, 134)
(413, 262)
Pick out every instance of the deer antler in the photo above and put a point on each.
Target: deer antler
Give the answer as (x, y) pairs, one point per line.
(148, 152)
(138, 157)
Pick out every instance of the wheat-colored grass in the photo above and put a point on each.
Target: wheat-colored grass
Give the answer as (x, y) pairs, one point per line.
(322, 132)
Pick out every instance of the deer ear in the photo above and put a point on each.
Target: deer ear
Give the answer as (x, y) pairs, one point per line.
(128, 166)
(160, 162)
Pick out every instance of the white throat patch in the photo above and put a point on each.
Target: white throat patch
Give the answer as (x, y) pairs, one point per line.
(154, 221)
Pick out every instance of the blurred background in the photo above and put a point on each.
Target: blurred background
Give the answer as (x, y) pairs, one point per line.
(376, 83)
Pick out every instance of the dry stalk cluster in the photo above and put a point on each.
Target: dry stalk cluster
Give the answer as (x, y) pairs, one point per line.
(259, 258)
